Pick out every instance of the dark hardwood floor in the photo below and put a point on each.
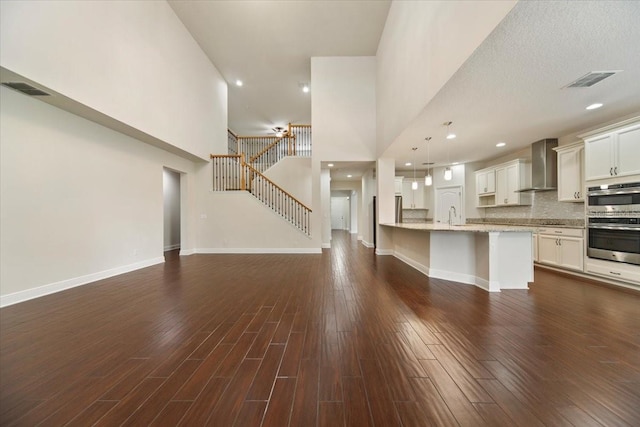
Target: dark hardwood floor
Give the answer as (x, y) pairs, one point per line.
(342, 338)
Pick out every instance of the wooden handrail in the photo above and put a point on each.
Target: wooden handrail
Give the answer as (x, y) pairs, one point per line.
(251, 168)
(232, 132)
(267, 148)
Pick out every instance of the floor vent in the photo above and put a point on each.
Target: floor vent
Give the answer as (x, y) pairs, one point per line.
(592, 78)
(25, 88)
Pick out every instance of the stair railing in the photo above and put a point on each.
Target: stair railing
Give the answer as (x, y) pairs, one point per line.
(227, 172)
(279, 200)
(252, 145)
(302, 140)
(272, 153)
(232, 173)
(232, 142)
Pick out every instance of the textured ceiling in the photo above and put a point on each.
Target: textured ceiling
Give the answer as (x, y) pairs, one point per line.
(512, 88)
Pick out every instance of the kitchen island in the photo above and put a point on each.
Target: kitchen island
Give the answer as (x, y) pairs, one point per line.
(490, 256)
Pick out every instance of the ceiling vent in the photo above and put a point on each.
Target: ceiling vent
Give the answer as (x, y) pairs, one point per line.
(25, 88)
(592, 78)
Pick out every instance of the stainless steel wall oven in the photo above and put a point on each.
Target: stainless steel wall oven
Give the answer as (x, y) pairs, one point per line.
(613, 213)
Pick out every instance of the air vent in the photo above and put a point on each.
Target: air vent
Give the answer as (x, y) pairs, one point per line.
(25, 88)
(592, 78)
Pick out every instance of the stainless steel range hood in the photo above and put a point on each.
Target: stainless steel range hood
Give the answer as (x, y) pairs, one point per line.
(544, 166)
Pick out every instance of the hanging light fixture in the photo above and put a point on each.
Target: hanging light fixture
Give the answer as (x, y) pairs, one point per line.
(414, 184)
(448, 173)
(450, 135)
(428, 179)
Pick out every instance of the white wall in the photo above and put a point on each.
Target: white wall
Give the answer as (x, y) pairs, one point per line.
(171, 208)
(293, 174)
(78, 201)
(133, 61)
(368, 192)
(343, 108)
(423, 44)
(236, 221)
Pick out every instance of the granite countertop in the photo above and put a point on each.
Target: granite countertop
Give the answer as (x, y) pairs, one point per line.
(531, 222)
(474, 228)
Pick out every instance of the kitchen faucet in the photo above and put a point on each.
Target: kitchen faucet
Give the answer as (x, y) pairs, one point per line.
(454, 214)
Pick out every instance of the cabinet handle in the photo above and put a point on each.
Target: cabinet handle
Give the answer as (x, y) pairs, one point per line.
(615, 170)
(575, 195)
(611, 171)
(615, 273)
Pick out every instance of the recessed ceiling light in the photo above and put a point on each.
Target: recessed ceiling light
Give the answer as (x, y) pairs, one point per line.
(501, 144)
(594, 106)
(408, 164)
(239, 83)
(305, 89)
(455, 163)
(330, 165)
(349, 176)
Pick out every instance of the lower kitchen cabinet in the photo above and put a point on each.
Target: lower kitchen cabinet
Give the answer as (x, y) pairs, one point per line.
(564, 251)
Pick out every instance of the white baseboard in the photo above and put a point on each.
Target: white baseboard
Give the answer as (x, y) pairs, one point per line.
(418, 266)
(171, 247)
(258, 251)
(326, 246)
(40, 291)
(367, 244)
(384, 251)
(466, 279)
(185, 252)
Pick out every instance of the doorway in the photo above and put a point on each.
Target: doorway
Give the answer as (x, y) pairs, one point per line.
(171, 209)
(340, 213)
(449, 204)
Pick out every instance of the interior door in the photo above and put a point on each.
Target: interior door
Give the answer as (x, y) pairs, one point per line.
(339, 213)
(449, 200)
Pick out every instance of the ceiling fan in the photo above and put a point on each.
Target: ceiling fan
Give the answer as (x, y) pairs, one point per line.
(280, 131)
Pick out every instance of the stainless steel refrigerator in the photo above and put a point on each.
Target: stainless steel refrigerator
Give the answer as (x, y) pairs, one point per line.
(398, 209)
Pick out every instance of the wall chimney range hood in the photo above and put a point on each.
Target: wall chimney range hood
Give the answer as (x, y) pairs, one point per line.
(544, 166)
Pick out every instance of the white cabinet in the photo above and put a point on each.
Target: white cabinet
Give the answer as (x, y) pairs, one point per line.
(570, 173)
(486, 182)
(561, 248)
(398, 185)
(510, 178)
(413, 199)
(502, 183)
(614, 153)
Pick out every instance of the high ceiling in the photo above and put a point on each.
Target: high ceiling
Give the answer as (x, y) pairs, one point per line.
(511, 89)
(269, 44)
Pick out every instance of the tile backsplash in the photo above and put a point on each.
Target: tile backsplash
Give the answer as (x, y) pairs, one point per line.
(544, 204)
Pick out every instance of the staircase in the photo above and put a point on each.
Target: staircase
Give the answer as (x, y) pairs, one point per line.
(250, 156)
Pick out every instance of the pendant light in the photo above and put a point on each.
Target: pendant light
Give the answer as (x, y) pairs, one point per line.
(450, 135)
(414, 184)
(428, 179)
(448, 173)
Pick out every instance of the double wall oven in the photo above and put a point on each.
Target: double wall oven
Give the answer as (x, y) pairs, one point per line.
(613, 215)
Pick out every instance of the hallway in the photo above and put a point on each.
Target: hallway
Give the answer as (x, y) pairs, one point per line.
(342, 338)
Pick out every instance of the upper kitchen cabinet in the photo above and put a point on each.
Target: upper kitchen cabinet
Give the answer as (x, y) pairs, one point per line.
(413, 199)
(486, 182)
(613, 151)
(570, 172)
(506, 179)
(398, 185)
